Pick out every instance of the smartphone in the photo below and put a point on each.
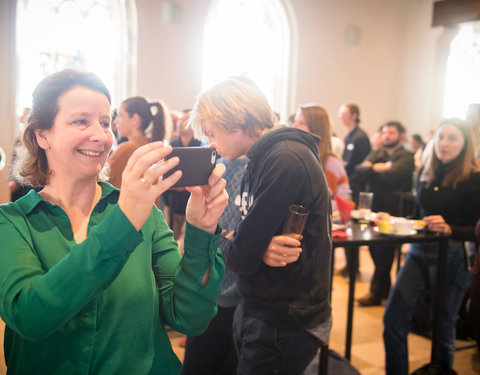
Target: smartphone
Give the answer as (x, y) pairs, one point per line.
(196, 164)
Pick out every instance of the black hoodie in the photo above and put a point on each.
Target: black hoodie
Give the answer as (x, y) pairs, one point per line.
(284, 169)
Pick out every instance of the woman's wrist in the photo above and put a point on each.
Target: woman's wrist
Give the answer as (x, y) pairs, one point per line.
(211, 229)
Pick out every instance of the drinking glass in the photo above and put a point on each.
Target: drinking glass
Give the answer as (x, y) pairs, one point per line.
(296, 219)
(365, 204)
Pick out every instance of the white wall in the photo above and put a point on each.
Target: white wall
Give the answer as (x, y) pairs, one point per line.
(391, 73)
(332, 72)
(169, 54)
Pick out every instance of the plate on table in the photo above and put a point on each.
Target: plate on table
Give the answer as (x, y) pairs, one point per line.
(336, 226)
(355, 214)
(371, 217)
(391, 234)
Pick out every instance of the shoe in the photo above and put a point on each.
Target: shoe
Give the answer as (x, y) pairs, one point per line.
(369, 300)
(344, 272)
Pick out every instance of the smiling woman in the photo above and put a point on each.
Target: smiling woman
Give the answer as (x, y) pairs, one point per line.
(78, 143)
(80, 252)
(78, 110)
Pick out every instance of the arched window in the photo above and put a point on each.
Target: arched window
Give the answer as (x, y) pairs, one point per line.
(462, 82)
(252, 38)
(93, 35)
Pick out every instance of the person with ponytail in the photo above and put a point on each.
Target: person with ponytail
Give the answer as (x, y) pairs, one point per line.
(140, 125)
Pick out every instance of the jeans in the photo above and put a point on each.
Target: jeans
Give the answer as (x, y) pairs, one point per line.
(264, 349)
(383, 256)
(417, 275)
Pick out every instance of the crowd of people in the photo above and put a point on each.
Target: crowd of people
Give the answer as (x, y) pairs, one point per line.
(100, 253)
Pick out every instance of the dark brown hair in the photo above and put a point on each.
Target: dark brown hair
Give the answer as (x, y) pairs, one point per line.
(462, 166)
(139, 105)
(400, 128)
(354, 110)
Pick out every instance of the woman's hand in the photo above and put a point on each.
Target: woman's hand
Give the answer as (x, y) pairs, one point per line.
(142, 181)
(282, 250)
(207, 203)
(436, 223)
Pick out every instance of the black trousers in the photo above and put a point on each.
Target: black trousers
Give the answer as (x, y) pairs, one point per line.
(212, 353)
(383, 256)
(267, 350)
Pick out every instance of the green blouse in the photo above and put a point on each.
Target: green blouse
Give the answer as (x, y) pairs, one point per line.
(100, 306)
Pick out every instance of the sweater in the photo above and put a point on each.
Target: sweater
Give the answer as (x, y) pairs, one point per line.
(284, 169)
(459, 206)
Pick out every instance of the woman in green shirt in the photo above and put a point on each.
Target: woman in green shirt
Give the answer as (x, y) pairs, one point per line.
(90, 275)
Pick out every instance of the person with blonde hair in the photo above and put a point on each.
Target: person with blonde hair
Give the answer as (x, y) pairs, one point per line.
(315, 119)
(284, 280)
(90, 275)
(448, 199)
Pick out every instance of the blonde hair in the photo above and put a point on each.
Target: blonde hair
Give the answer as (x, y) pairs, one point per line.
(464, 165)
(318, 122)
(234, 104)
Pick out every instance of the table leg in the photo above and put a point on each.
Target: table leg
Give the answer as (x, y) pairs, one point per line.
(352, 272)
(439, 301)
(398, 255)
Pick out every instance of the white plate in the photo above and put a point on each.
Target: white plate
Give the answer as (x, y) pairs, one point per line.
(336, 226)
(355, 214)
(411, 233)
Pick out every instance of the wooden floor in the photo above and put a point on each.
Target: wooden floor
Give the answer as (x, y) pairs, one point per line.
(367, 350)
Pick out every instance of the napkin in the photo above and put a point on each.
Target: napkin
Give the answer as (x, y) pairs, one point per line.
(339, 234)
(345, 207)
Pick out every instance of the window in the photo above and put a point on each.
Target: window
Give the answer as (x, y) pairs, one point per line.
(251, 38)
(462, 83)
(92, 35)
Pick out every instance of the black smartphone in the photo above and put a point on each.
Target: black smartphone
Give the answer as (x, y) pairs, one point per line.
(196, 164)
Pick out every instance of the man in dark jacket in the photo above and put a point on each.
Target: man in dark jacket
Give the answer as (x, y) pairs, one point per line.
(357, 148)
(284, 282)
(385, 171)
